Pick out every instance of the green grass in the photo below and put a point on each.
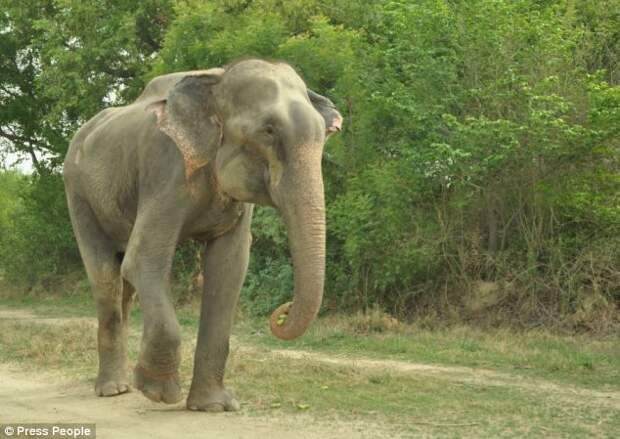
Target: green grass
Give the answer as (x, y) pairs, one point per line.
(53, 306)
(414, 404)
(583, 360)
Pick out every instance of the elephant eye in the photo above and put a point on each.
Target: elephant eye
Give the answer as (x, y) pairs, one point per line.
(269, 129)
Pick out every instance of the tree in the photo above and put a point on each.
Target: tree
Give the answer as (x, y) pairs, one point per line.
(64, 60)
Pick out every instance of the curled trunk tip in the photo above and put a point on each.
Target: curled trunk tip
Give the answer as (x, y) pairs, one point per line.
(288, 323)
(278, 322)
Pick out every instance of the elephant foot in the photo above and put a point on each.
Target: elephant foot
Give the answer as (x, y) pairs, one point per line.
(216, 400)
(111, 387)
(158, 387)
(112, 381)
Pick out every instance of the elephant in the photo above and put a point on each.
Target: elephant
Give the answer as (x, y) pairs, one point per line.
(187, 160)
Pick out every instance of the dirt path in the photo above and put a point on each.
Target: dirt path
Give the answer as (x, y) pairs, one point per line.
(51, 397)
(48, 398)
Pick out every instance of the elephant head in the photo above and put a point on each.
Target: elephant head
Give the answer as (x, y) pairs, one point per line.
(263, 132)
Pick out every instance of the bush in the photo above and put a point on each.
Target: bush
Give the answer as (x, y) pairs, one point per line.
(36, 238)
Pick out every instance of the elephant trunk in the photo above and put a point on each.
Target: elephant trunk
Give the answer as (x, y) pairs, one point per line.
(303, 209)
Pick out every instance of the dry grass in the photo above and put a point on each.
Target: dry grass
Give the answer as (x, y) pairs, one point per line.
(374, 320)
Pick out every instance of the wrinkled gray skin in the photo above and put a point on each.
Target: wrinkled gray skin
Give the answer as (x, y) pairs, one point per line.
(187, 160)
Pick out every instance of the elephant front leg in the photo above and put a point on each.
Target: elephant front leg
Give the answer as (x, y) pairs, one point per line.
(225, 265)
(147, 265)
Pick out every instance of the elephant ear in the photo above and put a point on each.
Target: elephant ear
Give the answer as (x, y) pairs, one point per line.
(188, 117)
(327, 109)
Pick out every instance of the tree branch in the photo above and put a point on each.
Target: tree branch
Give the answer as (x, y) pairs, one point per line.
(26, 145)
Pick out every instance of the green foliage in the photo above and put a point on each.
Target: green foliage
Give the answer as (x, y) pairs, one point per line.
(36, 240)
(270, 275)
(204, 35)
(10, 183)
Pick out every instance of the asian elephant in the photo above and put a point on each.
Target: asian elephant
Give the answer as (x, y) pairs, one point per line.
(188, 160)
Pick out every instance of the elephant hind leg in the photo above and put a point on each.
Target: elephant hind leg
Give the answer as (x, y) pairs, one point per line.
(112, 296)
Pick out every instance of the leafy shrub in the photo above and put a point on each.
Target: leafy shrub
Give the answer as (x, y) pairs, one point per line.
(36, 238)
